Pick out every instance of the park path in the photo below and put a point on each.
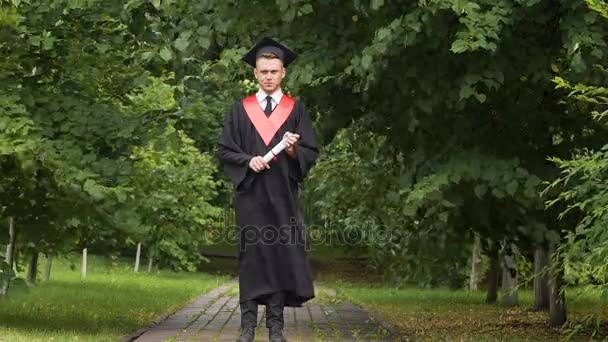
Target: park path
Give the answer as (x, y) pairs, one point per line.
(215, 316)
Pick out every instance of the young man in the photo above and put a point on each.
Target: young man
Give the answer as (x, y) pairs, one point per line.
(273, 266)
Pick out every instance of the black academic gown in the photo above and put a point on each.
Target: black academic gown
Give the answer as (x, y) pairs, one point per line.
(272, 236)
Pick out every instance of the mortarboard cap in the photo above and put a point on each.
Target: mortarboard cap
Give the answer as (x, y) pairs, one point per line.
(269, 45)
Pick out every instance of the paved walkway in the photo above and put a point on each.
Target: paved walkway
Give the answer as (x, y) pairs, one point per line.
(216, 317)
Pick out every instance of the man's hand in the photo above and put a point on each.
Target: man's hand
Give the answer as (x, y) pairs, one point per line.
(258, 164)
(292, 142)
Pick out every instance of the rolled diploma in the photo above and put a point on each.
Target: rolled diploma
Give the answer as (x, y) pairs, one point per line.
(275, 150)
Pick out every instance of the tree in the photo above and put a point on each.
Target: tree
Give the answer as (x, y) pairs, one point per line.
(71, 128)
(580, 194)
(173, 190)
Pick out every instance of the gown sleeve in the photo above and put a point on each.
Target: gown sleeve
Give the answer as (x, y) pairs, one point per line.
(307, 149)
(232, 156)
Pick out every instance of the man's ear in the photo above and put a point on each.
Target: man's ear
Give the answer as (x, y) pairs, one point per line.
(284, 72)
(255, 73)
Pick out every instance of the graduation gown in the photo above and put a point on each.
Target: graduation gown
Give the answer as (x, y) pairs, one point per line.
(272, 236)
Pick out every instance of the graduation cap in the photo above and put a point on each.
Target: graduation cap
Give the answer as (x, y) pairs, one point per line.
(269, 45)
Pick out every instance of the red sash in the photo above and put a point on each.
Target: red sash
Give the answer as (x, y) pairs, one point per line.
(267, 127)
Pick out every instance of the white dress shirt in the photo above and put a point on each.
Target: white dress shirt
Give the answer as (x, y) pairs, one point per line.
(276, 98)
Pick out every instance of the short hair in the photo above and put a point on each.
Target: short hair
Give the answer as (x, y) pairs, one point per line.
(269, 55)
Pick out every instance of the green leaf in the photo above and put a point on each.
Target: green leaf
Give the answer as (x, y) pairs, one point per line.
(366, 61)
(480, 97)
(512, 188)
(180, 44)
(73, 222)
(166, 54)
(466, 91)
(383, 33)
(306, 9)
(376, 4)
(409, 210)
(521, 173)
(76, 4)
(103, 48)
(459, 6)
(498, 193)
(459, 46)
(121, 196)
(148, 55)
(47, 43)
(204, 42)
(290, 14)
(34, 40)
(480, 190)
(91, 187)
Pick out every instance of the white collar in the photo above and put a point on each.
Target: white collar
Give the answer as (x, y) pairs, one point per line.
(276, 96)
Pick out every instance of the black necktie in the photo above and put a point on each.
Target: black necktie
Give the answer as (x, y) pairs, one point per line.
(268, 109)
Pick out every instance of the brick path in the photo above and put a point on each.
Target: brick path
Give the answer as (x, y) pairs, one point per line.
(216, 317)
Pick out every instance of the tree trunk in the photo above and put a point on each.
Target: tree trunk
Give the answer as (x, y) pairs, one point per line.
(32, 269)
(493, 272)
(47, 270)
(150, 262)
(16, 257)
(137, 255)
(475, 263)
(10, 248)
(509, 276)
(541, 283)
(10, 256)
(557, 298)
(84, 263)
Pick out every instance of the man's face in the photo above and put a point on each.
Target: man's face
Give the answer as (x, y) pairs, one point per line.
(270, 73)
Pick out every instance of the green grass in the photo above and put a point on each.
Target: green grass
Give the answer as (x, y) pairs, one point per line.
(112, 302)
(448, 315)
(452, 315)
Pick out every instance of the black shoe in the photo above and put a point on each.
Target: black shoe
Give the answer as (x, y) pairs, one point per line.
(276, 334)
(247, 335)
